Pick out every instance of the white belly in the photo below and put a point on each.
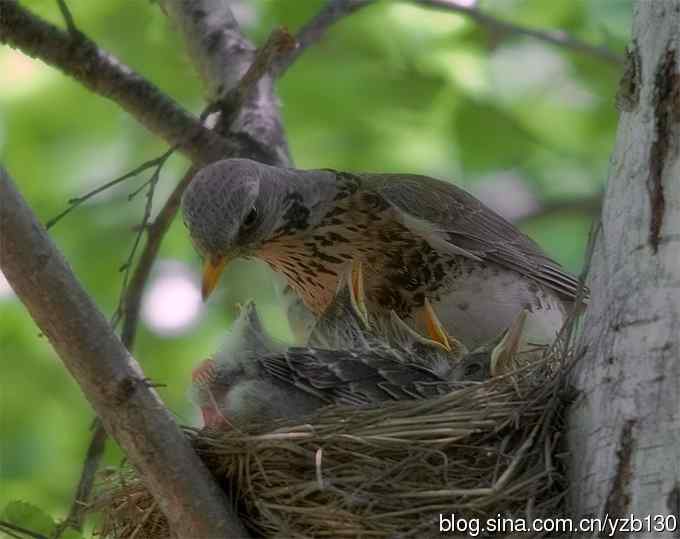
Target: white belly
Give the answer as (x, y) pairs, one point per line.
(489, 302)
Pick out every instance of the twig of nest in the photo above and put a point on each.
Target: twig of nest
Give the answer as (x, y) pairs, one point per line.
(486, 449)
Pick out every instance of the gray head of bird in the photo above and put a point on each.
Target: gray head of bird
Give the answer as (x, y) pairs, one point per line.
(438, 352)
(233, 363)
(232, 207)
(494, 358)
(247, 335)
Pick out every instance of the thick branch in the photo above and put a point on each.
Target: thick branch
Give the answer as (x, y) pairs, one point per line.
(130, 303)
(279, 42)
(102, 73)
(624, 426)
(110, 378)
(222, 56)
(558, 38)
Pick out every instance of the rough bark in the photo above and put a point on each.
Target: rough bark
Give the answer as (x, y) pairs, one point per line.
(625, 426)
(109, 377)
(222, 55)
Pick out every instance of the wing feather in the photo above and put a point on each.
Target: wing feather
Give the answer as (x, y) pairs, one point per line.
(344, 377)
(451, 219)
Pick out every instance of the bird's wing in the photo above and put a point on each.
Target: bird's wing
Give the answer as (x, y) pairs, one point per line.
(454, 221)
(345, 377)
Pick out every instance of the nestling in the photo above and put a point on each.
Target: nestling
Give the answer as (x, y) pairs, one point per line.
(252, 379)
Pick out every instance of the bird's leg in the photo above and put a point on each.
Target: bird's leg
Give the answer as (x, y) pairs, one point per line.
(504, 352)
(357, 291)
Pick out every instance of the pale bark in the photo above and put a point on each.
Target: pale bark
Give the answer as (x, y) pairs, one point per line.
(222, 55)
(625, 425)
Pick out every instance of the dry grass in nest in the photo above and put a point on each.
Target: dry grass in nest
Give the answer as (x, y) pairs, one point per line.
(485, 449)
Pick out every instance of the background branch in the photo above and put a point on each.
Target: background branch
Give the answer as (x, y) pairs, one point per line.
(558, 38)
(109, 377)
(212, 36)
(95, 452)
(131, 295)
(68, 19)
(312, 32)
(335, 10)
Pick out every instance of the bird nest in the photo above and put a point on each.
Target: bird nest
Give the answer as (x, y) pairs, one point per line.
(491, 449)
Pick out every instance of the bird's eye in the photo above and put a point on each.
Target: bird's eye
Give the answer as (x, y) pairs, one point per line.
(250, 219)
(472, 369)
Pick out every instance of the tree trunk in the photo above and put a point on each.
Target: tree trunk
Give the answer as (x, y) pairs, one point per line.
(624, 432)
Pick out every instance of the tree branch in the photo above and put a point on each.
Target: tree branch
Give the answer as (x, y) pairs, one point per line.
(156, 232)
(95, 452)
(335, 10)
(130, 303)
(558, 38)
(128, 310)
(102, 73)
(279, 42)
(212, 35)
(68, 19)
(312, 32)
(109, 377)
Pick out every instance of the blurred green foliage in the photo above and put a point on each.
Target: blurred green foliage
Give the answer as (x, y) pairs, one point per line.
(392, 88)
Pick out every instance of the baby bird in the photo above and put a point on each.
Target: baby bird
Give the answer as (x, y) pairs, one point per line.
(254, 379)
(247, 383)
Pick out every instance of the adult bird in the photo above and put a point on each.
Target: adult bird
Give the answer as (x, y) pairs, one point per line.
(419, 239)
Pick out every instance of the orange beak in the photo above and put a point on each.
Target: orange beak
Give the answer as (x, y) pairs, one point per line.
(434, 327)
(212, 269)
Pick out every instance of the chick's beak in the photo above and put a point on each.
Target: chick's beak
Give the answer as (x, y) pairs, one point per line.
(212, 269)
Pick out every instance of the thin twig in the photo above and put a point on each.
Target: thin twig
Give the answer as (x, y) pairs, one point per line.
(128, 308)
(95, 452)
(126, 267)
(62, 53)
(109, 376)
(558, 38)
(9, 527)
(75, 202)
(312, 32)
(68, 19)
(279, 42)
(335, 10)
(97, 445)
